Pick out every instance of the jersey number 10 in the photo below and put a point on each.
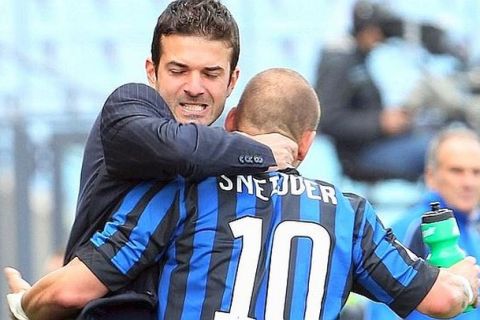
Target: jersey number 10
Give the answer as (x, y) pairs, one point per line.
(250, 228)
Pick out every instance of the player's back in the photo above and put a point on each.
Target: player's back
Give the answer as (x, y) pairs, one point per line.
(270, 246)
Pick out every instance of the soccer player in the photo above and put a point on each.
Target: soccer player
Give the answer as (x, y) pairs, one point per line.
(273, 245)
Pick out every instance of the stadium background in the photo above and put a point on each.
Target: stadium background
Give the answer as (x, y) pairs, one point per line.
(59, 59)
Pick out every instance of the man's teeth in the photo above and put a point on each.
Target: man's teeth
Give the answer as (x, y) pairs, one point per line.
(193, 107)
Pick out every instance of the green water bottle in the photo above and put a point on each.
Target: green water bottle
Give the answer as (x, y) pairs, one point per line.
(440, 233)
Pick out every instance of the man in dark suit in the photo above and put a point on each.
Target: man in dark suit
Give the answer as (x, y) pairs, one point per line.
(161, 131)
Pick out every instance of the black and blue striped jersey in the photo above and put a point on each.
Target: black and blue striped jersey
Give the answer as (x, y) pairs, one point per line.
(268, 246)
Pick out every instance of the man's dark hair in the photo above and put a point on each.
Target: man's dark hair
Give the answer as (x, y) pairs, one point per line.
(367, 13)
(205, 18)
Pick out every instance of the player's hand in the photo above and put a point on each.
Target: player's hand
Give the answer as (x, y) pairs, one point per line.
(284, 149)
(15, 281)
(469, 269)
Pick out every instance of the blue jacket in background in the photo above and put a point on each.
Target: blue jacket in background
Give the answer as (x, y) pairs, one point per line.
(407, 230)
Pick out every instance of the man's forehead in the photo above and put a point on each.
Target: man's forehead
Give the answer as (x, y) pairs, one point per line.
(205, 42)
(195, 50)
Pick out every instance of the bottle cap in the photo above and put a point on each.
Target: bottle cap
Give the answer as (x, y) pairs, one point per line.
(436, 214)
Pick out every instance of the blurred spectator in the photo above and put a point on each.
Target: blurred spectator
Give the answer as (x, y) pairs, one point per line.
(418, 68)
(452, 175)
(370, 135)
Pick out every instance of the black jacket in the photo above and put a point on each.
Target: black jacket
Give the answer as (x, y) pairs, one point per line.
(350, 101)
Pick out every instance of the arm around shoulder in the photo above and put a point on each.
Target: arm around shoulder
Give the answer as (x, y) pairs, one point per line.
(141, 139)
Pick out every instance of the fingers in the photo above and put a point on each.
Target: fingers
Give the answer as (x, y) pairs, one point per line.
(474, 278)
(470, 270)
(285, 152)
(11, 275)
(471, 259)
(11, 272)
(284, 149)
(14, 280)
(476, 284)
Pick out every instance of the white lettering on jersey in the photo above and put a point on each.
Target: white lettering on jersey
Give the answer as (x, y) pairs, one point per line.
(295, 185)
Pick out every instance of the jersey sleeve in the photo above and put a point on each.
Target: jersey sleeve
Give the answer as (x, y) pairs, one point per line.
(141, 140)
(385, 270)
(136, 235)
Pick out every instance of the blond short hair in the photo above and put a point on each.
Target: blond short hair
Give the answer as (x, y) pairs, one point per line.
(279, 100)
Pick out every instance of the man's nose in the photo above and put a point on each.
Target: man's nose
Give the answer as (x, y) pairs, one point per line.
(194, 85)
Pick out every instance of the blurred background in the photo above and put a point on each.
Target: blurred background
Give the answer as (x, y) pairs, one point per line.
(60, 59)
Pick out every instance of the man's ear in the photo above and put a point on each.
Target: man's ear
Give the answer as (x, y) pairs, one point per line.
(429, 178)
(151, 73)
(233, 81)
(230, 120)
(305, 143)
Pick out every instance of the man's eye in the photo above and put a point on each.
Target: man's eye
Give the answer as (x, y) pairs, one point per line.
(212, 75)
(176, 71)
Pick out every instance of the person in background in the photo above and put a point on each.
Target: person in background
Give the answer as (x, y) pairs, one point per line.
(273, 245)
(369, 136)
(452, 175)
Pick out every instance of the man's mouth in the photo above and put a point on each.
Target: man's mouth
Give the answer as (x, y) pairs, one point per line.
(193, 107)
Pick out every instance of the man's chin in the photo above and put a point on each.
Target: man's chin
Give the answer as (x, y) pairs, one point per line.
(196, 120)
(466, 206)
(205, 119)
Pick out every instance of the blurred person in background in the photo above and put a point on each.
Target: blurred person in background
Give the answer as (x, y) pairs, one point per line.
(421, 67)
(305, 245)
(452, 175)
(371, 133)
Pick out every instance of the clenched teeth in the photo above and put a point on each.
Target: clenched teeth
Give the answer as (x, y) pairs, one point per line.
(193, 107)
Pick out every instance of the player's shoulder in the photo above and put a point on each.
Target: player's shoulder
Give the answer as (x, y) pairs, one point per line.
(357, 203)
(332, 185)
(320, 182)
(354, 200)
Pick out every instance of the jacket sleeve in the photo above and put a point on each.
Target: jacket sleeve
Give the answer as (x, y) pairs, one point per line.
(140, 139)
(349, 111)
